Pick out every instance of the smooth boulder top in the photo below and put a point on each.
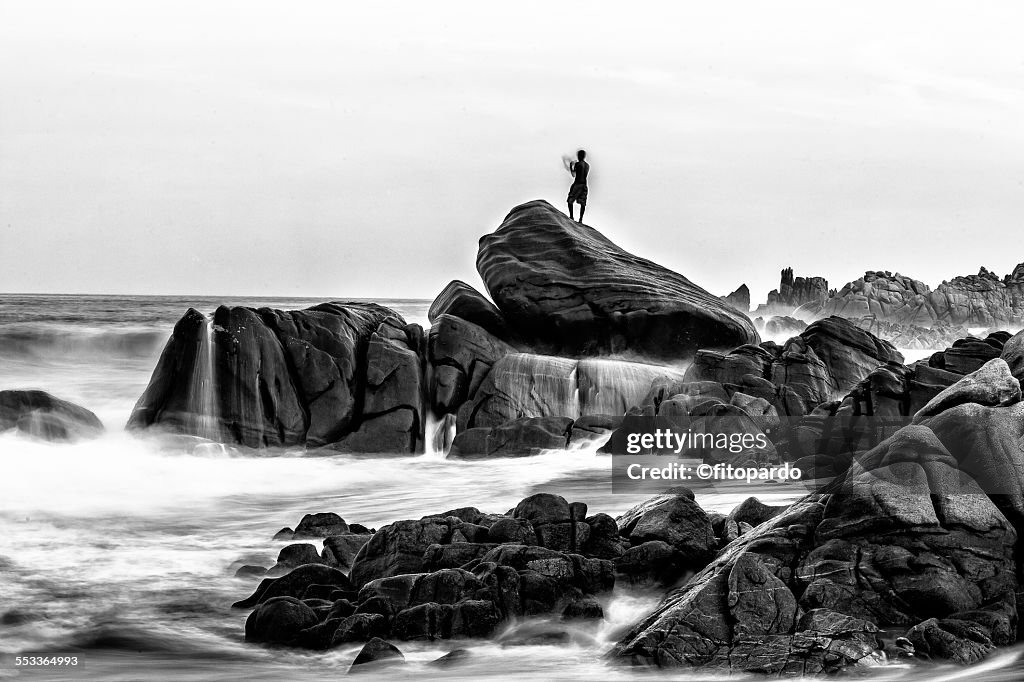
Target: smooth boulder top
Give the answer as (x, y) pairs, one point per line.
(570, 289)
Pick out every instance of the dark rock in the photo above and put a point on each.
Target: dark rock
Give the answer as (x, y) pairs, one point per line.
(951, 639)
(903, 537)
(455, 555)
(513, 531)
(475, 618)
(754, 511)
(517, 438)
(340, 550)
(604, 541)
(446, 586)
(567, 287)
(398, 548)
(739, 299)
(543, 508)
(675, 519)
(360, 627)
(461, 354)
(44, 416)
(278, 621)
(250, 571)
(279, 378)
(653, 563)
(294, 584)
(452, 658)
(428, 621)
(584, 608)
(377, 651)
(463, 301)
(294, 556)
(1013, 354)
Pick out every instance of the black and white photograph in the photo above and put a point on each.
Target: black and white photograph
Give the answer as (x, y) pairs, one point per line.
(532, 341)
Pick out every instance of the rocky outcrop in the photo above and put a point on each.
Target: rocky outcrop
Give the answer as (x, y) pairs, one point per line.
(341, 374)
(792, 293)
(739, 299)
(568, 289)
(982, 300)
(461, 354)
(458, 299)
(460, 574)
(891, 545)
(44, 416)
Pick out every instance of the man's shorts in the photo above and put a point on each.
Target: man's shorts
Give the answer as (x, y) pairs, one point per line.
(578, 193)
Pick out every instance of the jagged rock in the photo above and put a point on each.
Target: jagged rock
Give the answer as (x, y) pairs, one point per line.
(44, 416)
(901, 538)
(981, 300)
(517, 438)
(794, 292)
(730, 368)
(463, 301)
(569, 289)
(739, 299)
(379, 652)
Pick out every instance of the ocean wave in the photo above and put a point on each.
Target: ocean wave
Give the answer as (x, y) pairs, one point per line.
(46, 341)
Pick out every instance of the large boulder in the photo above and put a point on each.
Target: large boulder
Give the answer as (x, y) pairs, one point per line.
(517, 438)
(569, 289)
(901, 539)
(273, 378)
(44, 416)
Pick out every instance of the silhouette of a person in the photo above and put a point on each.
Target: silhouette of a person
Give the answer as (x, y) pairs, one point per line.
(578, 191)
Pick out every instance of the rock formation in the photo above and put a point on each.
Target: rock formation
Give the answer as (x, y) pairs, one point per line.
(792, 293)
(348, 375)
(43, 416)
(569, 290)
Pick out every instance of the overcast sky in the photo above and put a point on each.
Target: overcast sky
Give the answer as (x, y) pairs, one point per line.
(344, 149)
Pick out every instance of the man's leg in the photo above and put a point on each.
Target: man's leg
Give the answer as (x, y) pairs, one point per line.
(570, 210)
(583, 207)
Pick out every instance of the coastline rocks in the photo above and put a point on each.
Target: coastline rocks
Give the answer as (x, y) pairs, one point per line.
(794, 292)
(279, 621)
(568, 289)
(982, 300)
(458, 299)
(272, 378)
(925, 550)
(47, 417)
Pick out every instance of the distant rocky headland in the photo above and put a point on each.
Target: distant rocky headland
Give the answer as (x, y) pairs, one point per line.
(906, 550)
(894, 307)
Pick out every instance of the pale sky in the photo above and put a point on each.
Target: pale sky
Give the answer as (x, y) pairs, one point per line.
(344, 149)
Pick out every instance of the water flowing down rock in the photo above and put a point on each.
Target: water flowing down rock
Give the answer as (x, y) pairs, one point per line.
(566, 288)
(522, 385)
(337, 373)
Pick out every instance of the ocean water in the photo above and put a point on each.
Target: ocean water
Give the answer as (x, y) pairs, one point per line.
(122, 550)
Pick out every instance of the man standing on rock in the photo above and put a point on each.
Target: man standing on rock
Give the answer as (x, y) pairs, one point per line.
(578, 191)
